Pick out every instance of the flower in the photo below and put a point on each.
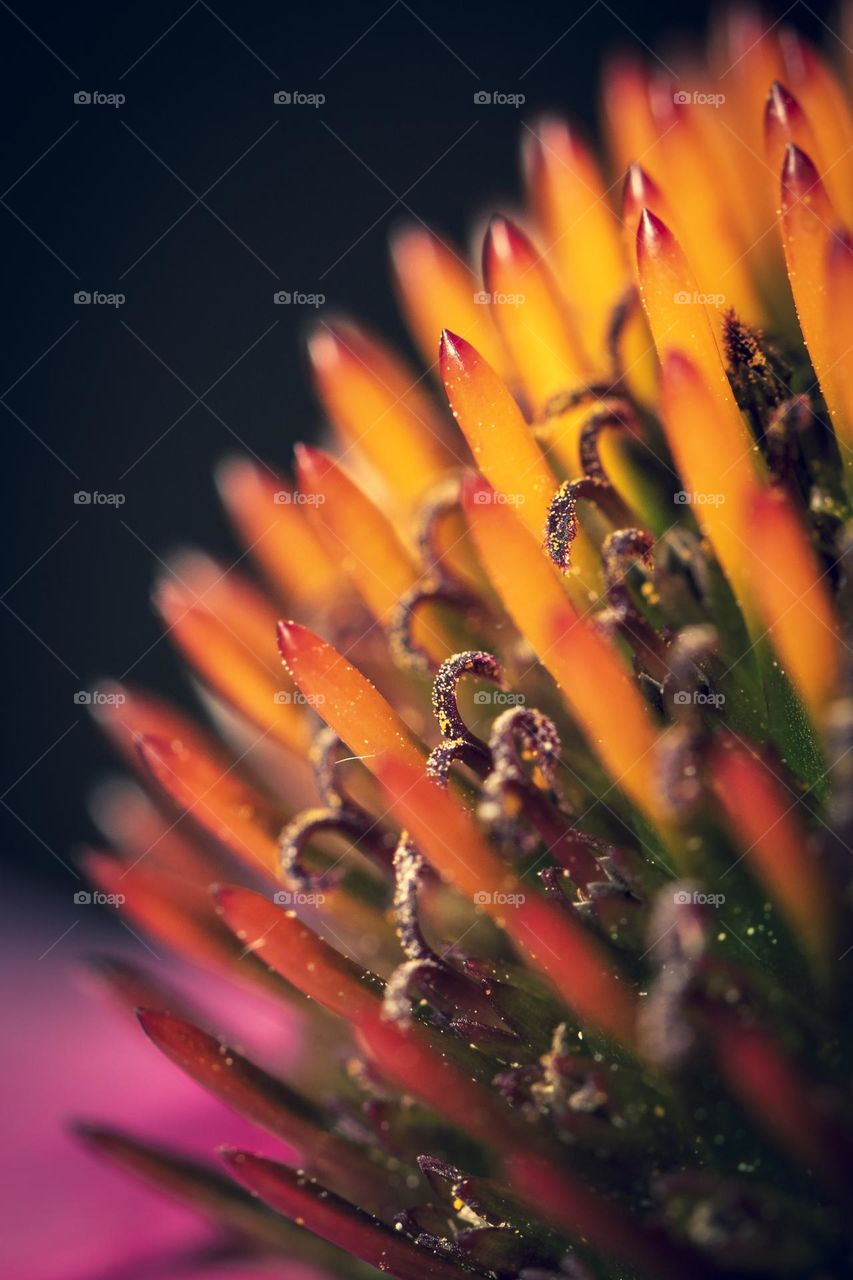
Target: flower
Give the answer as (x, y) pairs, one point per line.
(548, 810)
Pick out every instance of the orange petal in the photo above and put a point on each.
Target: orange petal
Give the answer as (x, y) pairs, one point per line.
(440, 291)
(809, 224)
(272, 524)
(785, 123)
(689, 169)
(356, 532)
(839, 321)
(380, 410)
(641, 192)
(631, 127)
(714, 466)
(748, 63)
(793, 598)
(762, 814)
(133, 825)
(531, 316)
(165, 907)
(557, 944)
(345, 699)
(233, 812)
(678, 313)
(290, 949)
(131, 714)
(568, 195)
(500, 439)
(593, 681)
(413, 1060)
(224, 660)
(824, 100)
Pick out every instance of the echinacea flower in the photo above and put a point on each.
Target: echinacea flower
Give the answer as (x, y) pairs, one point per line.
(530, 764)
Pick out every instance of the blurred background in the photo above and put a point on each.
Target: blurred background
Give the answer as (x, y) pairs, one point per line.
(188, 197)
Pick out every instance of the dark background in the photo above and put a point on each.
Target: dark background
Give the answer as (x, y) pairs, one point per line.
(198, 199)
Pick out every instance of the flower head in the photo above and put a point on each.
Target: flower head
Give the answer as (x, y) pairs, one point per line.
(531, 774)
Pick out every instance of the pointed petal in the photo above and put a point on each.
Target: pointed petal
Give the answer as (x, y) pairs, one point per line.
(531, 316)
(380, 410)
(793, 598)
(569, 196)
(356, 532)
(440, 290)
(500, 440)
(776, 846)
(233, 812)
(290, 949)
(345, 699)
(336, 1220)
(593, 682)
(274, 528)
(557, 944)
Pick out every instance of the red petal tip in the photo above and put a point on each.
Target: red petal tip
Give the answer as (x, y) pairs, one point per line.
(781, 104)
(311, 463)
(638, 188)
(474, 485)
(677, 370)
(450, 346)
(653, 235)
(799, 175)
(288, 635)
